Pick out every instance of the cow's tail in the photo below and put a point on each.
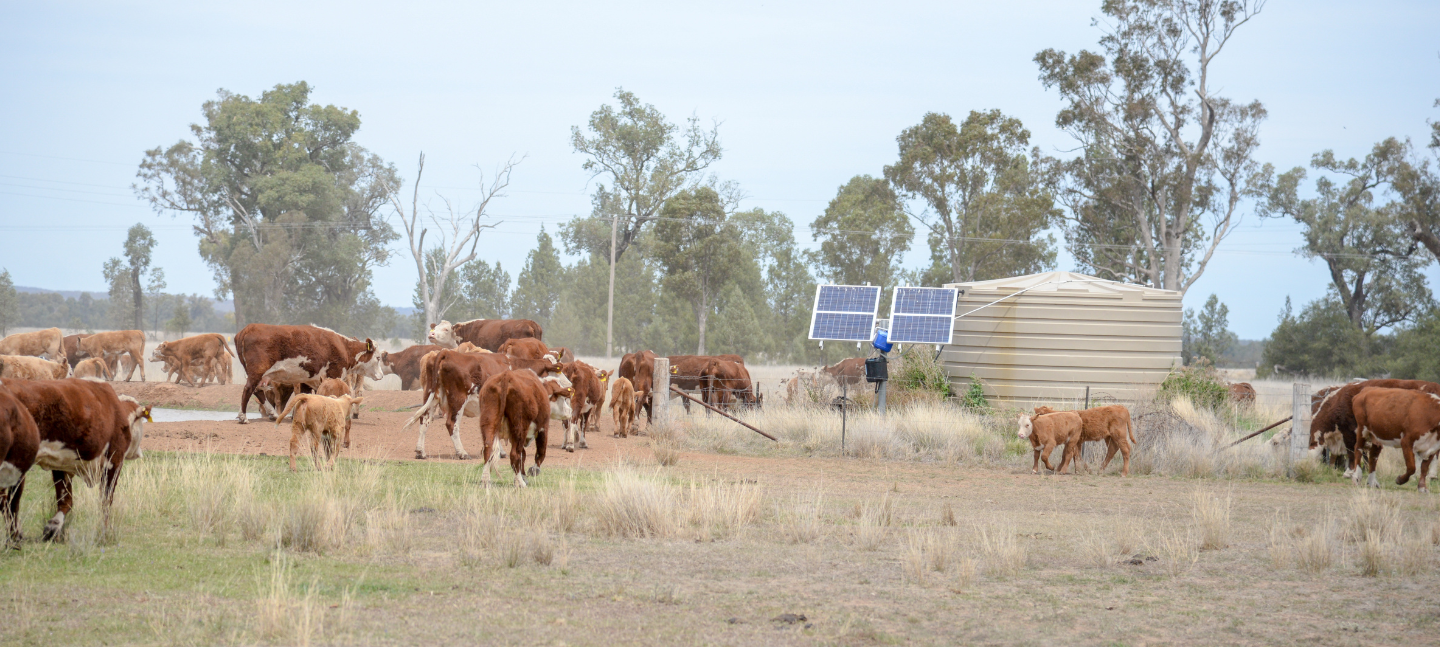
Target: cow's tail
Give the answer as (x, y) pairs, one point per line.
(430, 404)
(226, 346)
(240, 351)
(1130, 426)
(296, 400)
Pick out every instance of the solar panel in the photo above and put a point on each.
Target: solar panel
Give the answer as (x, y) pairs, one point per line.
(844, 313)
(922, 315)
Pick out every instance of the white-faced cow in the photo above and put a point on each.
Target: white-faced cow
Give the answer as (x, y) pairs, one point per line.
(1334, 423)
(1397, 418)
(452, 381)
(85, 430)
(300, 356)
(486, 334)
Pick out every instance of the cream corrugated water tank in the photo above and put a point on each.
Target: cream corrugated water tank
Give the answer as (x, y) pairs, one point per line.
(1067, 331)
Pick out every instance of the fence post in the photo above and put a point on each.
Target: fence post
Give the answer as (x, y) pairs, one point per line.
(1299, 424)
(660, 393)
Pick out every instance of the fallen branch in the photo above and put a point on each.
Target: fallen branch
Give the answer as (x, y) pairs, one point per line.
(1257, 432)
(724, 414)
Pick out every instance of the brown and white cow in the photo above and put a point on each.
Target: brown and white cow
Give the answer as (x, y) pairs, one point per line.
(588, 396)
(850, 371)
(19, 443)
(622, 406)
(324, 419)
(1108, 423)
(406, 364)
(204, 350)
(93, 368)
(639, 369)
(487, 334)
(517, 406)
(46, 343)
(1047, 431)
(1397, 418)
(112, 344)
(687, 372)
(452, 381)
(86, 430)
(300, 356)
(725, 382)
(1334, 422)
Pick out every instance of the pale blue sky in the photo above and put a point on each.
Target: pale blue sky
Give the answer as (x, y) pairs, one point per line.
(808, 96)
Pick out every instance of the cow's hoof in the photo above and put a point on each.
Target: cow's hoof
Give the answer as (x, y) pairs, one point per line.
(462, 456)
(534, 471)
(243, 421)
(570, 448)
(584, 446)
(1400, 481)
(419, 455)
(347, 444)
(51, 533)
(502, 455)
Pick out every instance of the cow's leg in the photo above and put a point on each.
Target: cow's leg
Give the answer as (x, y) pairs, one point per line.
(1407, 448)
(347, 434)
(139, 362)
(1425, 474)
(542, 438)
(1072, 448)
(332, 448)
(294, 444)
(488, 456)
(1111, 447)
(10, 509)
(64, 499)
(517, 452)
(1372, 460)
(451, 419)
(1045, 455)
(420, 440)
(315, 449)
(1035, 467)
(107, 492)
(1355, 456)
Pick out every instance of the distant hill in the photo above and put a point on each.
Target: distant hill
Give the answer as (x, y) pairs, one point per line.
(227, 306)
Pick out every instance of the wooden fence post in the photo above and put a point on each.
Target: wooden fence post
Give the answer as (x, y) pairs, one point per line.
(1299, 424)
(660, 393)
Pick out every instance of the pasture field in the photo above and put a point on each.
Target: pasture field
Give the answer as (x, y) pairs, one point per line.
(927, 528)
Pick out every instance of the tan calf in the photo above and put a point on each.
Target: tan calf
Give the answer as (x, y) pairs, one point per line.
(48, 343)
(93, 368)
(334, 389)
(623, 406)
(1111, 424)
(115, 343)
(325, 419)
(1047, 431)
(32, 368)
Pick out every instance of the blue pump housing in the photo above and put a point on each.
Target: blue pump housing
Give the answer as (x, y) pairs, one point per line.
(882, 341)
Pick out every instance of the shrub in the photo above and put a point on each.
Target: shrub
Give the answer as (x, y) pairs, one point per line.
(975, 394)
(1199, 382)
(919, 370)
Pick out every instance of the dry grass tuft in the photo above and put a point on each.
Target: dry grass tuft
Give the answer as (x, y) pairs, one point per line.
(872, 525)
(964, 574)
(1212, 516)
(541, 549)
(282, 616)
(1315, 551)
(632, 506)
(1372, 513)
(315, 522)
(1373, 557)
(723, 510)
(1178, 551)
(1096, 547)
(388, 528)
(1414, 557)
(801, 522)
(947, 515)
(1000, 546)
(667, 452)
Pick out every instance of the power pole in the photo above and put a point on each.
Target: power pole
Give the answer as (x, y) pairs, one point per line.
(610, 307)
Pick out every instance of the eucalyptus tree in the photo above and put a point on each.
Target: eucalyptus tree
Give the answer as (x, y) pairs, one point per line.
(1371, 258)
(1164, 162)
(127, 278)
(863, 234)
(983, 196)
(701, 249)
(285, 204)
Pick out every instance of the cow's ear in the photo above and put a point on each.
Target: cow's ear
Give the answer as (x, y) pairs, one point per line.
(432, 326)
(369, 345)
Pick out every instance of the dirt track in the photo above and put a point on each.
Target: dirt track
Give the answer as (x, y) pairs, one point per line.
(377, 432)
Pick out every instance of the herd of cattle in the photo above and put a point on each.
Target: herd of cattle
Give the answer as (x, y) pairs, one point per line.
(57, 412)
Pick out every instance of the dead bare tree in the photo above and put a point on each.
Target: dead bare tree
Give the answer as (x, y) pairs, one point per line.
(457, 231)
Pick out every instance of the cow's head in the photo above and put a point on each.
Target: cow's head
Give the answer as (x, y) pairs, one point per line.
(604, 375)
(158, 355)
(370, 363)
(559, 391)
(443, 334)
(1027, 426)
(1043, 410)
(136, 418)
